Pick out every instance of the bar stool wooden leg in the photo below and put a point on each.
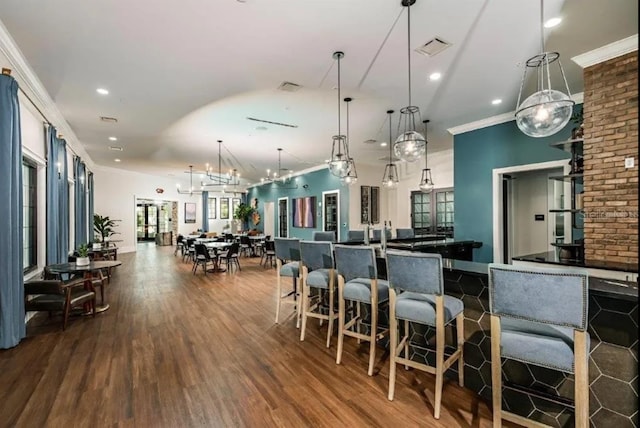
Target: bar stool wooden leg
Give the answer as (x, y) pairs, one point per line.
(393, 343)
(374, 332)
(581, 373)
(406, 343)
(359, 322)
(340, 318)
(297, 295)
(331, 314)
(496, 372)
(304, 302)
(439, 355)
(279, 289)
(460, 334)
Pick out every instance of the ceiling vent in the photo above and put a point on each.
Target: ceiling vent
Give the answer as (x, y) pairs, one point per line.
(116, 148)
(369, 141)
(433, 47)
(289, 87)
(108, 119)
(272, 123)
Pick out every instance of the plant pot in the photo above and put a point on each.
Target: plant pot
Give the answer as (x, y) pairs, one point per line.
(97, 246)
(82, 261)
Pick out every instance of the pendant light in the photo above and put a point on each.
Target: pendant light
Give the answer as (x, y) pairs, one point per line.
(189, 192)
(232, 178)
(352, 175)
(339, 162)
(426, 182)
(410, 144)
(546, 111)
(390, 176)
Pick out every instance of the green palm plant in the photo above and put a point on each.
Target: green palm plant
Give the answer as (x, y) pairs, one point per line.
(103, 227)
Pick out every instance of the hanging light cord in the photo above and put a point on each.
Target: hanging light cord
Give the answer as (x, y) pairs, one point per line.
(339, 102)
(426, 166)
(409, 45)
(390, 138)
(542, 26)
(347, 136)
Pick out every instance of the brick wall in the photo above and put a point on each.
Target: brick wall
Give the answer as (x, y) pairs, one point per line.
(610, 136)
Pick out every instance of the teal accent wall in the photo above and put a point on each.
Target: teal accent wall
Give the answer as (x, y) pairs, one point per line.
(317, 182)
(475, 155)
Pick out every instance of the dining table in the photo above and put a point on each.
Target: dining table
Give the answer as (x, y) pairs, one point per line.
(87, 271)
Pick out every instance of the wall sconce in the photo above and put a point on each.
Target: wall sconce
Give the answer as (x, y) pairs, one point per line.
(59, 166)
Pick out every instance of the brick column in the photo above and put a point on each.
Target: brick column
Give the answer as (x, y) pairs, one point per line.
(611, 135)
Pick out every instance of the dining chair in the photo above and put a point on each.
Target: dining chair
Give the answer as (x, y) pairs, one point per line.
(230, 257)
(539, 317)
(287, 253)
(269, 253)
(58, 296)
(202, 258)
(318, 272)
(416, 295)
(358, 282)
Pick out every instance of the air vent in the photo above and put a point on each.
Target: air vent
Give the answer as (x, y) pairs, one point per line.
(369, 142)
(289, 87)
(272, 123)
(433, 47)
(116, 148)
(108, 119)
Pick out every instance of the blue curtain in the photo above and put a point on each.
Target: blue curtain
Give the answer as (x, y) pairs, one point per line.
(12, 326)
(90, 206)
(79, 173)
(57, 199)
(205, 211)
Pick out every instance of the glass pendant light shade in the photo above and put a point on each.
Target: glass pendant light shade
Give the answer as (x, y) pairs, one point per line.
(339, 163)
(547, 110)
(352, 174)
(410, 146)
(390, 177)
(426, 182)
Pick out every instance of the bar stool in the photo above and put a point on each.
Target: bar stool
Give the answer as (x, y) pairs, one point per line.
(324, 236)
(377, 234)
(358, 282)
(418, 278)
(288, 265)
(355, 235)
(539, 317)
(318, 272)
(404, 233)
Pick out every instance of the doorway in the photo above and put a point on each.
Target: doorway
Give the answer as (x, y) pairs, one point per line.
(331, 212)
(152, 218)
(269, 220)
(283, 217)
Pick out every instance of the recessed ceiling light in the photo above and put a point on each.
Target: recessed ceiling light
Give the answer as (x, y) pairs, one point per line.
(496, 101)
(552, 22)
(116, 160)
(102, 91)
(113, 138)
(435, 76)
(383, 144)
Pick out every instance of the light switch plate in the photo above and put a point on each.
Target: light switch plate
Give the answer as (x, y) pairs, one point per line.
(629, 162)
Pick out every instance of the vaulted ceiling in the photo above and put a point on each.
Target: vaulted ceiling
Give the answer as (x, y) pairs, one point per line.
(182, 75)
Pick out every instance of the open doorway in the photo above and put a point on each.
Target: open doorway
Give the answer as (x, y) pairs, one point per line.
(154, 219)
(527, 214)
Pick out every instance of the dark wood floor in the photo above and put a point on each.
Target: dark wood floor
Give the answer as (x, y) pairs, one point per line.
(181, 350)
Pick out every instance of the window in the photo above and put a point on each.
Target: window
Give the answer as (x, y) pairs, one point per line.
(212, 208)
(432, 212)
(29, 210)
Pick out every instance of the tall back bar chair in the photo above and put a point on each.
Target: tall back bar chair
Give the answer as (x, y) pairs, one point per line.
(355, 235)
(288, 265)
(405, 233)
(324, 236)
(358, 282)
(318, 271)
(416, 294)
(377, 234)
(539, 317)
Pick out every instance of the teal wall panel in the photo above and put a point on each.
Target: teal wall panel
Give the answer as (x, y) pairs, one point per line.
(475, 155)
(317, 182)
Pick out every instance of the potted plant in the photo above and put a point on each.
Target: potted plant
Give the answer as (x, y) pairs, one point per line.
(103, 227)
(243, 213)
(83, 255)
(578, 119)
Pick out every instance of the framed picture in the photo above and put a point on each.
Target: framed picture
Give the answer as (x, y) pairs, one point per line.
(224, 208)
(365, 193)
(189, 212)
(304, 212)
(212, 208)
(235, 202)
(374, 205)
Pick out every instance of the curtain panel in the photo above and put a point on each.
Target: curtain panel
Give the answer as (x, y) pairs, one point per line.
(57, 199)
(205, 211)
(12, 325)
(90, 209)
(80, 198)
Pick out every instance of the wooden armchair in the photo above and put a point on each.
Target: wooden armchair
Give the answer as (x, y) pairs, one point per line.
(56, 295)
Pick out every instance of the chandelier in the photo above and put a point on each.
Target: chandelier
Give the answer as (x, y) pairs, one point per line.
(230, 178)
(390, 176)
(191, 191)
(352, 175)
(339, 163)
(426, 182)
(410, 144)
(546, 111)
(283, 181)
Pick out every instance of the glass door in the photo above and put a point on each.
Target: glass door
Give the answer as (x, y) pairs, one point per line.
(331, 213)
(147, 220)
(283, 216)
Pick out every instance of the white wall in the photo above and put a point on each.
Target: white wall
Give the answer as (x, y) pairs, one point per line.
(441, 164)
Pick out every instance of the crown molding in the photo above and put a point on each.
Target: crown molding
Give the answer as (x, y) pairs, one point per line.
(578, 98)
(607, 52)
(35, 90)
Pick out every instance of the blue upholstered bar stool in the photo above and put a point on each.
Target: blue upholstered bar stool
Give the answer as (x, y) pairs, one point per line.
(405, 233)
(416, 294)
(358, 282)
(539, 317)
(324, 236)
(288, 265)
(318, 271)
(355, 235)
(377, 234)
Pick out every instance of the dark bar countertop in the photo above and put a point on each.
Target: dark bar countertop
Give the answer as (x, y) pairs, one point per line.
(551, 257)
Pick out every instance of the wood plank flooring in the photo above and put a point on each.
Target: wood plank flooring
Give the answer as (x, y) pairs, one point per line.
(183, 350)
